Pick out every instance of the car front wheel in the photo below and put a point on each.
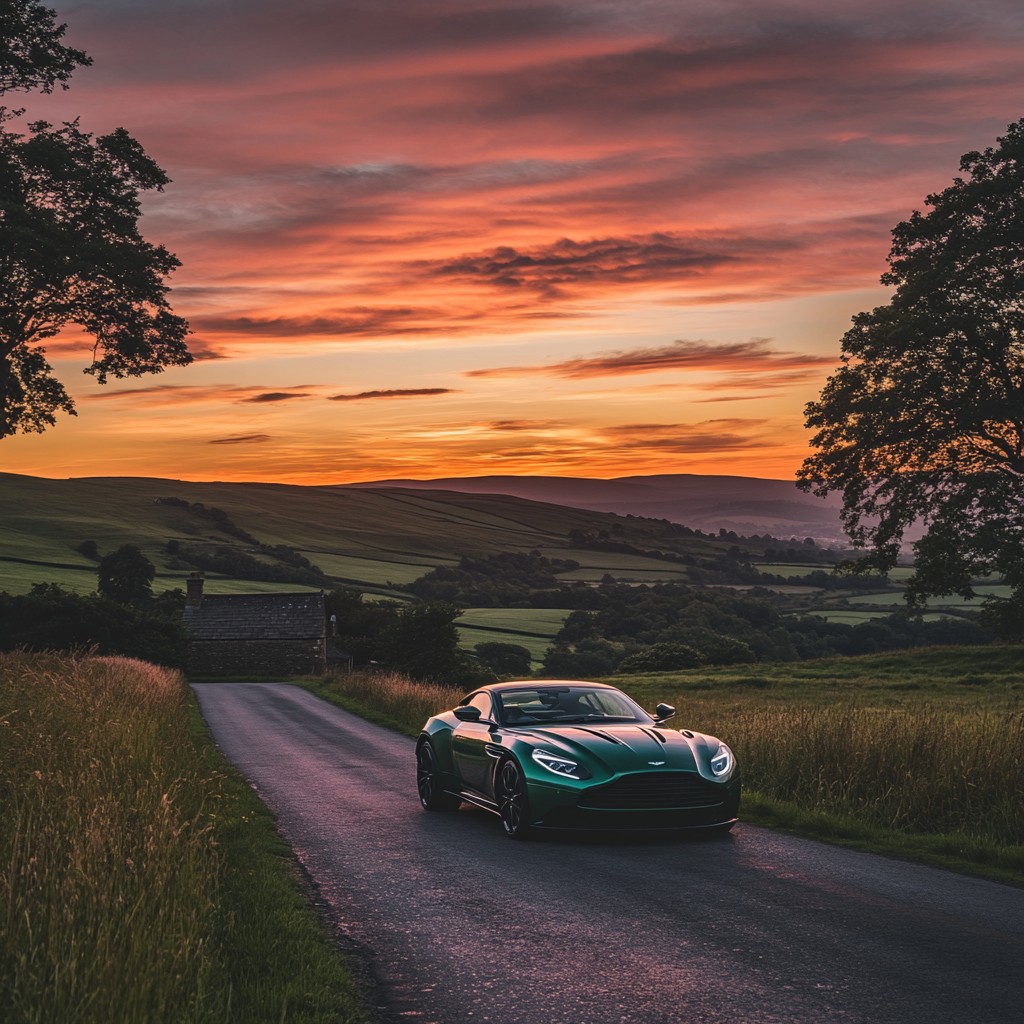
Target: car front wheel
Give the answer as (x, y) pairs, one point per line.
(428, 781)
(513, 802)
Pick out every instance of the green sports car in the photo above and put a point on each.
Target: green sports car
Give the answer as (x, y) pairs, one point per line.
(554, 754)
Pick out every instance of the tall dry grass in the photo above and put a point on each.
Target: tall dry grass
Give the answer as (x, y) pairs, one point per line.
(108, 867)
(390, 696)
(910, 769)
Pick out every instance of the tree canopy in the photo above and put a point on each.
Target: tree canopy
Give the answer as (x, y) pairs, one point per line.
(125, 575)
(31, 53)
(53, 619)
(925, 419)
(70, 248)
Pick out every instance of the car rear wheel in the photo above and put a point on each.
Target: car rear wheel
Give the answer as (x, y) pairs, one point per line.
(428, 781)
(513, 802)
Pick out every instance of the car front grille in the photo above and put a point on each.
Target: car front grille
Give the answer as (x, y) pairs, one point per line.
(653, 789)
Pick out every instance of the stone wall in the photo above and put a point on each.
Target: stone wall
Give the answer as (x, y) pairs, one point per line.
(256, 657)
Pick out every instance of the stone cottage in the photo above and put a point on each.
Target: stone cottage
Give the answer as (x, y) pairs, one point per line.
(254, 634)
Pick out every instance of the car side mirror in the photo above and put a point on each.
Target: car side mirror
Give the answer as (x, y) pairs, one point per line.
(467, 713)
(664, 712)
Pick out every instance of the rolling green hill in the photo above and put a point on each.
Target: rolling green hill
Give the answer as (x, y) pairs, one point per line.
(367, 538)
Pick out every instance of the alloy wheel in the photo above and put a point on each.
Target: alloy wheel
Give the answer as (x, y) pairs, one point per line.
(512, 800)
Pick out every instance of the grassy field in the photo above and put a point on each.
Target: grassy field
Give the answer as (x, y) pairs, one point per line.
(537, 646)
(141, 879)
(358, 537)
(983, 590)
(376, 571)
(19, 578)
(852, 618)
(532, 628)
(918, 754)
(542, 621)
(594, 565)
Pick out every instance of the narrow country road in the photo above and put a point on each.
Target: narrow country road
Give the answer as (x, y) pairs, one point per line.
(462, 924)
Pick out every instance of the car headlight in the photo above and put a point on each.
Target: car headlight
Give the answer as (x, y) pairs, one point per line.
(560, 765)
(722, 763)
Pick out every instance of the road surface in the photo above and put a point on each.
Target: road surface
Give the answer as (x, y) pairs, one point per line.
(461, 924)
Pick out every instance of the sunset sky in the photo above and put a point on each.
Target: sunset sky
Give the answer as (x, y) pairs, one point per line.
(458, 237)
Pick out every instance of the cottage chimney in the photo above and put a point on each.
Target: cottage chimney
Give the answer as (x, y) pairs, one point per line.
(194, 594)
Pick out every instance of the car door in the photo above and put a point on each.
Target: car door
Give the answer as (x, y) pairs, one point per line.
(469, 745)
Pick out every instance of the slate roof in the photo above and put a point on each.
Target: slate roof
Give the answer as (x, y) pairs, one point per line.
(297, 616)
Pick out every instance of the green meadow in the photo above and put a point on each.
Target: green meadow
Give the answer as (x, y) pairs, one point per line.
(595, 564)
(532, 628)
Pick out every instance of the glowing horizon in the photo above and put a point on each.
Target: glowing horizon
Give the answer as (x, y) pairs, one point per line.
(458, 238)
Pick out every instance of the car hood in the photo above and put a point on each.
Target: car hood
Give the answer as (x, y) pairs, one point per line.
(622, 748)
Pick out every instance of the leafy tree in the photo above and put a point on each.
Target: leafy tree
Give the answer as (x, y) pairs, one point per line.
(925, 419)
(360, 623)
(662, 658)
(721, 649)
(31, 54)
(125, 575)
(53, 619)
(70, 248)
(504, 659)
(234, 562)
(586, 659)
(90, 549)
(424, 642)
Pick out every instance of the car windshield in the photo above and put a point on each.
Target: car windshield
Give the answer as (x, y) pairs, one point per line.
(568, 704)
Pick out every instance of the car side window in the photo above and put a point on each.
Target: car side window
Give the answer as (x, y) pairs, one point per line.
(483, 702)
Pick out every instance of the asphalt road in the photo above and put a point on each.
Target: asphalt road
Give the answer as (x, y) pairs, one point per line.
(462, 924)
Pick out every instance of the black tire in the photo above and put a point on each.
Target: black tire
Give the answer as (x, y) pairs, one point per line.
(428, 781)
(513, 800)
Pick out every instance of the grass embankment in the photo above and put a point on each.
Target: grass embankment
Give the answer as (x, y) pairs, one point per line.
(141, 879)
(918, 754)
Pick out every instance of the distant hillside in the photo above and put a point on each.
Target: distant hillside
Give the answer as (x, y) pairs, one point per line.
(375, 539)
(743, 504)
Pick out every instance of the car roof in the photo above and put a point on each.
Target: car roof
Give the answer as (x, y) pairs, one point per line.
(518, 684)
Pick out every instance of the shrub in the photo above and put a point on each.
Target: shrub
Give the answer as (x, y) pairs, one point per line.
(504, 659)
(662, 658)
(50, 618)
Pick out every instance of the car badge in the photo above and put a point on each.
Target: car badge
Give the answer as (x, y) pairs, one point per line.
(655, 762)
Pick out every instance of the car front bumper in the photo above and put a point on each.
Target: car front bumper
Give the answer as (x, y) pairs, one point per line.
(559, 807)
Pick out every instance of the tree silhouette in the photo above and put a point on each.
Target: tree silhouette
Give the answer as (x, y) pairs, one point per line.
(70, 248)
(423, 641)
(31, 54)
(125, 575)
(925, 419)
